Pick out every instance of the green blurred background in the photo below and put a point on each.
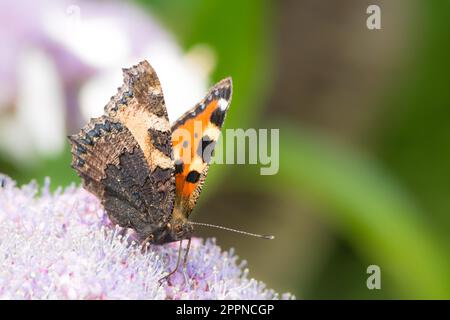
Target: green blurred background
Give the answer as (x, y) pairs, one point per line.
(364, 141)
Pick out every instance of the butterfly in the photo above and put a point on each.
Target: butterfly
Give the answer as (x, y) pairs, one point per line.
(149, 174)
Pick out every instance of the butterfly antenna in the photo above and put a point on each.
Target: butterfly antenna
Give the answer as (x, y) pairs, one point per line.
(262, 236)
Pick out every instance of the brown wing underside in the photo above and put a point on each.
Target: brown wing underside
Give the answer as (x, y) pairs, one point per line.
(124, 157)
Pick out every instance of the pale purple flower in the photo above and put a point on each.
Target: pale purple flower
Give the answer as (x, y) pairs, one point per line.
(62, 245)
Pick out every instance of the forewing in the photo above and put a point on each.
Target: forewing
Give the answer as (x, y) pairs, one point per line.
(194, 136)
(139, 105)
(124, 158)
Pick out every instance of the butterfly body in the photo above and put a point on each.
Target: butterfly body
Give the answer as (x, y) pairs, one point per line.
(147, 173)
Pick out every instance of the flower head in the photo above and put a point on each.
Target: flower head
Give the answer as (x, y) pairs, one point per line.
(63, 246)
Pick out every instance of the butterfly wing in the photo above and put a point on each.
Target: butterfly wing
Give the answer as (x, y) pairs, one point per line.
(194, 136)
(124, 157)
(139, 105)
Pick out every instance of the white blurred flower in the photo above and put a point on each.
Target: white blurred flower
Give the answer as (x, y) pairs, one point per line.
(60, 63)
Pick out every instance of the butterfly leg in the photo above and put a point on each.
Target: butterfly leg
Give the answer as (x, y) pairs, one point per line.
(185, 274)
(166, 277)
(146, 243)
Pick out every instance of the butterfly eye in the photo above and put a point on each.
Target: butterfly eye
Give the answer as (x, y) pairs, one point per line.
(178, 228)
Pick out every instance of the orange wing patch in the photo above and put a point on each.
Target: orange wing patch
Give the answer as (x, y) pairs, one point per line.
(193, 138)
(186, 145)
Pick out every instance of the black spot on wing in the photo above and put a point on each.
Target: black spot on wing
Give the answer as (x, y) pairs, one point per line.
(193, 176)
(217, 117)
(179, 166)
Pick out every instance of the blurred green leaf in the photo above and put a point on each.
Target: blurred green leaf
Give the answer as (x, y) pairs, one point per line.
(414, 132)
(368, 207)
(56, 167)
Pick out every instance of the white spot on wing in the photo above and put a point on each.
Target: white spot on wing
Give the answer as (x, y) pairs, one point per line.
(223, 104)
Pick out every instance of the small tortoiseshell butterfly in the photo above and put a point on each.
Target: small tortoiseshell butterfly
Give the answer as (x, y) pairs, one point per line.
(147, 173)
